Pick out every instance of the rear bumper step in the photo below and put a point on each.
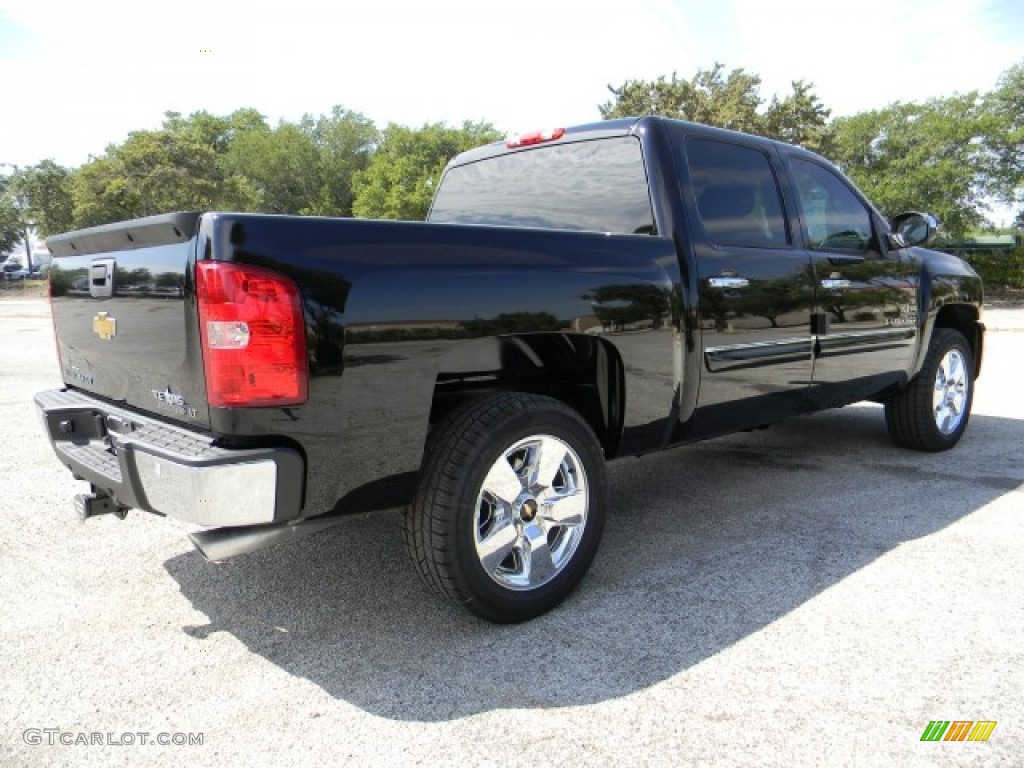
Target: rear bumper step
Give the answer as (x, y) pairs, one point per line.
(158, 467)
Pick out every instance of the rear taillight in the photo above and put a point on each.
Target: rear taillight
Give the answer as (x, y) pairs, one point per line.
(534, 137)
(253, 335)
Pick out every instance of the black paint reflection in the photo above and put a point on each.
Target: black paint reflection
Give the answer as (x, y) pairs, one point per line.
(407, 320)
(870, 302)
(618, 307)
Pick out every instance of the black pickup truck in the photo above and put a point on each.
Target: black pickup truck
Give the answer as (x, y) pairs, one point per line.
(576, 295)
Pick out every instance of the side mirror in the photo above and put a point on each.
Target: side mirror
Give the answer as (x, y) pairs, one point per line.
(913, 228)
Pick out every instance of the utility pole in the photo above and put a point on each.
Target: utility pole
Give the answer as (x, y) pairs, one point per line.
(24, 231)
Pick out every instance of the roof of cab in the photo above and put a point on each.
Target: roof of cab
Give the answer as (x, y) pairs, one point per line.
(604, 129)
(610, 128)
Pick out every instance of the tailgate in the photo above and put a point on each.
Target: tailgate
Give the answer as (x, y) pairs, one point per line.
(124, 314)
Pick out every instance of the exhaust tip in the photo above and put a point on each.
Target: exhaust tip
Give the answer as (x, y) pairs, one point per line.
(219, 544)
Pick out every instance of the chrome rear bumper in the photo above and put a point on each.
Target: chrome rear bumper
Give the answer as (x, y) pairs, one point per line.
(159, 467)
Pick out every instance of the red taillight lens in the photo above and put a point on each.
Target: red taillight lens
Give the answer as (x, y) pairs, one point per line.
(253, 335)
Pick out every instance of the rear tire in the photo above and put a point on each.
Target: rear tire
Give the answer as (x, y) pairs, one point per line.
(931, 414)
(510, 507)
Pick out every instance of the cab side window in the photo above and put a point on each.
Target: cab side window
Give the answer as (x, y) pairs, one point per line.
(835, 219)
(738, 198)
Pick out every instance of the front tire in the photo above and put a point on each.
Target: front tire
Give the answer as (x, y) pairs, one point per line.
(510, 508)
(931, 414)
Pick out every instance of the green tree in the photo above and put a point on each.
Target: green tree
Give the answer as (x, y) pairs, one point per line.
(346, 142)
(278, 168)
(177, 167)
(305, 167)
(14, 221)
(1005, 105)
(11, 226)
(233, 162)
(732, 100)
(46, 190)
(933, 156)
(214, 131)
(709, 97)
(152, 172)
(400, 179)
(800, 118)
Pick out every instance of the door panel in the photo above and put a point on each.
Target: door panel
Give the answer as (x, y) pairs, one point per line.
(870, 311)
(866, 298)
(756, 289)
(755, 319)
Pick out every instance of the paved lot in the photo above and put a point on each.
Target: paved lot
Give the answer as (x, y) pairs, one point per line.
(808, 595)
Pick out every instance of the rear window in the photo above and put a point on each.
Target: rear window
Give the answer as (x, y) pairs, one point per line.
(598, 186)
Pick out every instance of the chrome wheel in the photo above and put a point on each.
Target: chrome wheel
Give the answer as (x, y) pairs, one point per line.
(932, 411)
(949, 396)
(511, 505)
(531, 512)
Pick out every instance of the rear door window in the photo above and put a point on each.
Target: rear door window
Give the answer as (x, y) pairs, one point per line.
(738, 199)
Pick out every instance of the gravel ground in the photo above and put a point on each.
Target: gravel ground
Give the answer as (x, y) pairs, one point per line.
(807, 595)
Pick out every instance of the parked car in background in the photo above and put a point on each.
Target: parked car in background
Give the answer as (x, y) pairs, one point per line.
(14, 271)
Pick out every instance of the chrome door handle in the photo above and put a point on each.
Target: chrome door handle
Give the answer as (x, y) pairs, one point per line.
(728, 282)
(832, 284)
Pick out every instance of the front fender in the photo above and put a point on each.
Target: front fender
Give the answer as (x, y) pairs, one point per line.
(950, 296)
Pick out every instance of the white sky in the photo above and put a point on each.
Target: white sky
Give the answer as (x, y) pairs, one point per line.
(77, 75)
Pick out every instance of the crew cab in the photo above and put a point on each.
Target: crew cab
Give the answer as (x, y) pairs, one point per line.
(576, 295)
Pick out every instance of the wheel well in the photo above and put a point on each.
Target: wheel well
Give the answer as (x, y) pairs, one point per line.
(964, 318)
(582, 371)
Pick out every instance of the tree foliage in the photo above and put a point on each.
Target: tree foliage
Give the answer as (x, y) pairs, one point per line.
(1006, 106)
(999, 269)
(171, 169)
(400, 180)
(732, 100)
(346, 141)
(274, 169)
(36, 198)
(316, 166)
(45, 190)
(10, 219)
(799, 118)
(302, 168)
(950, 156)
(934, 156)
(234, 162)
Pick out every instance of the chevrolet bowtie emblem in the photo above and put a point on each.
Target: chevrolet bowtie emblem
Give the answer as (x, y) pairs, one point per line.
(103, 326)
